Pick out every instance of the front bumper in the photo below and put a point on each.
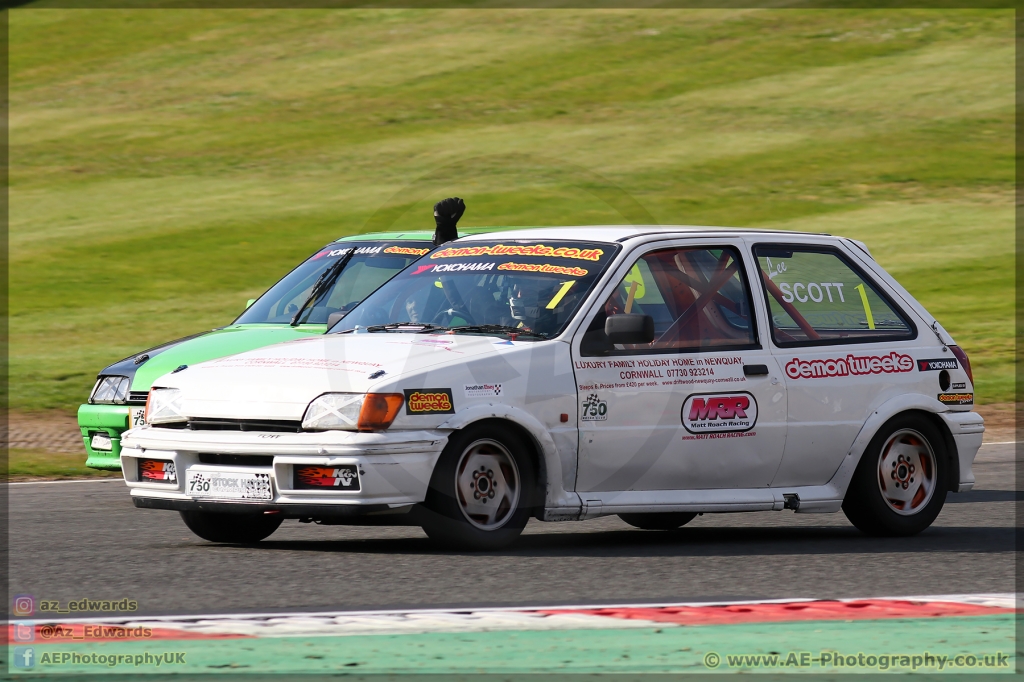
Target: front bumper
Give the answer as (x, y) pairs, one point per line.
(394, 468)
(109, 419)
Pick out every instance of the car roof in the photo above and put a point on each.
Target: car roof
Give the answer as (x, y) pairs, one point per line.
(424, 235)
(621, 233)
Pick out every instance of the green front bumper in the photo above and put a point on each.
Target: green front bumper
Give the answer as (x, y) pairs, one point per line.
(109, 419)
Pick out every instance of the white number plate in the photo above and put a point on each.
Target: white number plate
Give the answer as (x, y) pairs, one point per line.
(223, 485)
(136, 417)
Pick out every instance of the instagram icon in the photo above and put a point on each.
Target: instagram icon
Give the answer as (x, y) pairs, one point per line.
(24, 605)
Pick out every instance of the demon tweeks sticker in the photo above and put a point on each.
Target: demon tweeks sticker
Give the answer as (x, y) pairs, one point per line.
(429, 401)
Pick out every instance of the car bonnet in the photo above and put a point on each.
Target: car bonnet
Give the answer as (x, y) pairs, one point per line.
(279, 381)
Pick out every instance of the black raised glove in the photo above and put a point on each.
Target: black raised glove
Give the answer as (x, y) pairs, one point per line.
(446, 216)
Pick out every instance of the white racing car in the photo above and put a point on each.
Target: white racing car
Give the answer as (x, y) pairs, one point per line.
(570, 373)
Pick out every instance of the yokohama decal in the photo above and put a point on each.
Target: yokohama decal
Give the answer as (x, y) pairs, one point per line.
(851, 365)
(935, 365)
(719, 412)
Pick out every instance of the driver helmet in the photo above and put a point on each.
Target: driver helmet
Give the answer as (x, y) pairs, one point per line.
(528, 295)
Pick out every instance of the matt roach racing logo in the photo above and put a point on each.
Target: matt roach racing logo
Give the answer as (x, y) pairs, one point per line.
(851, 365)
(429, 401)
(719, 412)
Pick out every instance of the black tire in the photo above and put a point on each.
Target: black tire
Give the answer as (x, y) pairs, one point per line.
(659, 521)
(878, 513)
(450, 519)
(241, 529)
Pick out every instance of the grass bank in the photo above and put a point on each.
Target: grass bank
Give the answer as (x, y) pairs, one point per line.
(167, 165)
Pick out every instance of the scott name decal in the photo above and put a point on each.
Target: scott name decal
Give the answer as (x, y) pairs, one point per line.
(851, 365)
(719, 412)
(429, 401)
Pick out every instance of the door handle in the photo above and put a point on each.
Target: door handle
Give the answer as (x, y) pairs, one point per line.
(755, 370)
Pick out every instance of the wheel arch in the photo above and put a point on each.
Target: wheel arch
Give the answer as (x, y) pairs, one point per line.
(545, 454)
(908, 404)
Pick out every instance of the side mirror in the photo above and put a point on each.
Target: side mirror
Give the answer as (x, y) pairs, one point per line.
(629, 328)
(334, 318)
(249, 303)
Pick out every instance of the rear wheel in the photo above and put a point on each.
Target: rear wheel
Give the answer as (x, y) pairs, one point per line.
(481, 489)
(900, 484)
(659, 521)
(240, 529)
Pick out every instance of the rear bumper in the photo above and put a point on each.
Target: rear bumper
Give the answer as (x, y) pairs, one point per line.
(968, 429)
(109, 419)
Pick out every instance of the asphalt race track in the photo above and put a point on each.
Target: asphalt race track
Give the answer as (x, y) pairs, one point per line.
(74, 540)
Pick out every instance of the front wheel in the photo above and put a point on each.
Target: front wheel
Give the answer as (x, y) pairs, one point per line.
(241, 529)
(481, 489)
(900, 484)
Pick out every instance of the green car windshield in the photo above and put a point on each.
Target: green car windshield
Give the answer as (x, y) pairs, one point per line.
(368, 264)
(533, 287)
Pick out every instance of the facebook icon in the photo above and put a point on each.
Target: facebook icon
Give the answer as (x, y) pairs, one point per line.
(24, 657)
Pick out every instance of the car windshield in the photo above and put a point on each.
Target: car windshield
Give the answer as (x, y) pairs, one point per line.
(527, 287)
(369, 264)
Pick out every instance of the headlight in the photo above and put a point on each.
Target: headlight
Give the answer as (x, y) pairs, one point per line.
(353, 411)
(110, 390)
(163, 406)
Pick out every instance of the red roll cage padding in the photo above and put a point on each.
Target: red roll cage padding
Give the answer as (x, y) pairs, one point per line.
(721, 276)
(788, 307)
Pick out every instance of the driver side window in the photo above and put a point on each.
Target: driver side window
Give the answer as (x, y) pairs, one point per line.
(698, 299)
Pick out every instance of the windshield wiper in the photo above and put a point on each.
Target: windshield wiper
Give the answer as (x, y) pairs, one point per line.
(323, 283)
(497, 329)
(415, 327)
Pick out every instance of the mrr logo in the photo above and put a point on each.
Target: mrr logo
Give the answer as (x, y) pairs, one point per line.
(719, 412)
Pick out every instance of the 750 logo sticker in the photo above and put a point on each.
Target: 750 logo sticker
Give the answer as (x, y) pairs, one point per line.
(719, 412)
(594, 409)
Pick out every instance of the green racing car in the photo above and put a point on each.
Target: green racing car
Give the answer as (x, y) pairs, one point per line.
(305, 302)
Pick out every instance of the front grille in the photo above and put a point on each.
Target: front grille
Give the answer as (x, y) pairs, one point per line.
(237, 460)
(137, 397)
(276, 425)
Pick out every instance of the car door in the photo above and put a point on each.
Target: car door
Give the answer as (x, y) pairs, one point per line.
(844, 345)
(701, 406)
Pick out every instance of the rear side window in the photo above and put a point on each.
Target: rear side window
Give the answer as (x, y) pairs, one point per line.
(817, 297)
(698, 298)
